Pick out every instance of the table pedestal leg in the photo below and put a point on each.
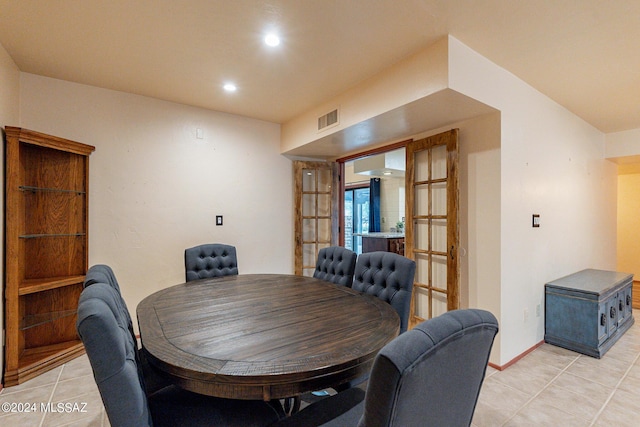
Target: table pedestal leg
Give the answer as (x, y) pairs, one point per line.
(291, 405)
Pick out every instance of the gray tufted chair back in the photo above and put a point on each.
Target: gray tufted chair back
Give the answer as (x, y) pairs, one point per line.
(101, 273)
(388, 276)
(336, 265)
(432, 374)
(121, 378)
(210, 260)
(112, 351)
(428, 376)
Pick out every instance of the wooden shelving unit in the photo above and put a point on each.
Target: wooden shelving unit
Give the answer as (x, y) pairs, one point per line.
(46, 218)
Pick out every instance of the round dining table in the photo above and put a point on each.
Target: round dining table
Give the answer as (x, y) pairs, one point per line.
(263, 336)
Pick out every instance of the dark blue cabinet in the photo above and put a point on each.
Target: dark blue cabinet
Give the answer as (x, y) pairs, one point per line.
(588, 311)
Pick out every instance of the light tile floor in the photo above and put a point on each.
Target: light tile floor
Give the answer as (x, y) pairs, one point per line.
(71, 385)
(551, 386)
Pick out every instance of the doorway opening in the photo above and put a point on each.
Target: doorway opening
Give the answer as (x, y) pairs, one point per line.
(427, 170)
(356, 216)
(373, 200)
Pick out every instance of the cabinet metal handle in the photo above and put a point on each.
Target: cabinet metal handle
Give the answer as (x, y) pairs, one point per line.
(628, 299)
(603, 319)
(612, 312)
(620, 306)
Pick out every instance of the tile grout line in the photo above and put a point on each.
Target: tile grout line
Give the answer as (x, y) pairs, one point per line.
(524, 405)
(55, 386)
(615, 389)
(103, 415)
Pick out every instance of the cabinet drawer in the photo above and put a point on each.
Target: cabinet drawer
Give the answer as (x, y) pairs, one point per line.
(612, 314)
(626, 300)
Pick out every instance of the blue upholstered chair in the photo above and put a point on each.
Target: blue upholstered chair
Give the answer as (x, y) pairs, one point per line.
(101, 273)
(336, 265)
(388, 276)
(103, 327)
(210, 260)
(428, 376)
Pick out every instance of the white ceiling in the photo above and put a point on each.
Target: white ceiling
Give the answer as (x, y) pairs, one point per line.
(585, 54)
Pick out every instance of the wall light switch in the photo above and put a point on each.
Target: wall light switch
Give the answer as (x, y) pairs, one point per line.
(199, 133)
(218, 219)
(536, 220)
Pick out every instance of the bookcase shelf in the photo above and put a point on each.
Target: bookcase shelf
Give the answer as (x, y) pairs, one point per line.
(31, 286)
(38, 236)
(46, 241)
(50, 190)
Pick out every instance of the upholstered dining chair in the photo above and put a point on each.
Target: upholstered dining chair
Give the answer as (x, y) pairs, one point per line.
(388, 276)
(210, 260)
(428, 376)
(102, 326)
(336, 264)
(101, 273)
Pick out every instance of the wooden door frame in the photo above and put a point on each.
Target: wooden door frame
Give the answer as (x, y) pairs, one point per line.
(298, 167)
(342, 160)
(453, 264)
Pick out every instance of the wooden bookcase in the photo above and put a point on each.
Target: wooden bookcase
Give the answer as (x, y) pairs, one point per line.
(46, 248)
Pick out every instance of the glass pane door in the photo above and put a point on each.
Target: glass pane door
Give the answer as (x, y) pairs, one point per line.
(432, 232)
(316, 212)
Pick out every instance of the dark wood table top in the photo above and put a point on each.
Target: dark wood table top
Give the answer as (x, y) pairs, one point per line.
(263, 336)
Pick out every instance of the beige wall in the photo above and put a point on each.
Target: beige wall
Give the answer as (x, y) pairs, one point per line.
(551, 163)
(155, 188)
(421, 75)
(531, 157)
(623, 144)
(9, 116)
(391, 202)
(628, 224)
(479, 214)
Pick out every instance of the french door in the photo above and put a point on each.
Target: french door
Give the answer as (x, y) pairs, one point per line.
(431, 235)
(316, 192)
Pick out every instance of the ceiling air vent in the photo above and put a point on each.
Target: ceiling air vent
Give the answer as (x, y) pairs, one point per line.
(329, 119)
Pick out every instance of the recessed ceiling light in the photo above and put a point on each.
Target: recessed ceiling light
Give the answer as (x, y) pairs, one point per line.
(272, 40)
(229, 87)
